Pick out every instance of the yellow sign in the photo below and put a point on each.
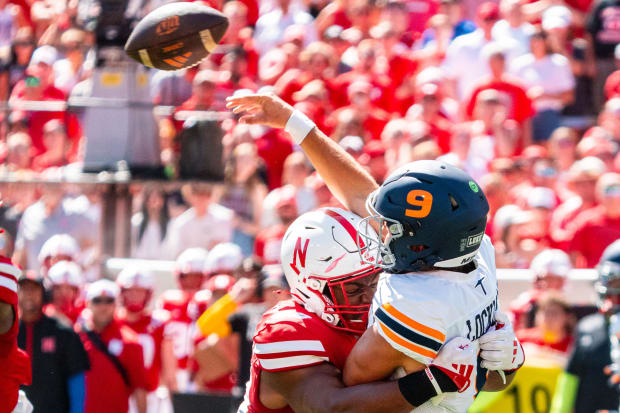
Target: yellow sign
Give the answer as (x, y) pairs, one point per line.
(530, 392)
(111, 79)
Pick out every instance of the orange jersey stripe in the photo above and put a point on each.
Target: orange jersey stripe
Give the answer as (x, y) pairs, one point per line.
(398, 340)
(414, 325)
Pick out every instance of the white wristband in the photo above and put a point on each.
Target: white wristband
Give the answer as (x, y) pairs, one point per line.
(299, 126)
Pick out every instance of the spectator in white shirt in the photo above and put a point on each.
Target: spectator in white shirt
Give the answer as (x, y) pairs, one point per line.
(50, 215)
(202, 226)
(69, 71)
(513, 27)
(149, 226)
(464, 62)
(550, 83)
(271, 26)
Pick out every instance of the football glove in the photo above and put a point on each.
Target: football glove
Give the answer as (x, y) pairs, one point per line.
(500, 349)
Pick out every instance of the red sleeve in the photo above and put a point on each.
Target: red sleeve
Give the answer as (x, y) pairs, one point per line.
(524, 106)
(135, 361)
(470, 104)
(8, 294)
(259, 246)
(292, 341)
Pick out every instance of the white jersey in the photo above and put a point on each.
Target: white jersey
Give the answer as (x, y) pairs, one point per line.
(417, 313)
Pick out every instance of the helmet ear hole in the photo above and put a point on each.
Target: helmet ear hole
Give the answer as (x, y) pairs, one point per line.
(453, 202)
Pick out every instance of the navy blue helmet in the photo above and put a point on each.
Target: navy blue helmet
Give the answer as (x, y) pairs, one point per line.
(430, 214)
(609, 271)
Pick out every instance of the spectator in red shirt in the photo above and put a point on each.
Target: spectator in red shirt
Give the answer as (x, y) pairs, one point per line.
(268, 241)
(366, 70)
(372, 116)
(38, 86)
(553, 329)
(58, 146)
(316, 62)
(239, 34)
(581, 181)
(549, 270)
(598, 227)
(519, 105)
(117, 367)
(15, 362)
(428, 109)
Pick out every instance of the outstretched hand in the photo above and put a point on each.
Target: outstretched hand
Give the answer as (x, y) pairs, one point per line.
(268, 110)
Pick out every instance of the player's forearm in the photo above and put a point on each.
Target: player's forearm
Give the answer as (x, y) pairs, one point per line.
(140, 398)
(7, 317)
(495, 383)
(365, 398)
(345, 178)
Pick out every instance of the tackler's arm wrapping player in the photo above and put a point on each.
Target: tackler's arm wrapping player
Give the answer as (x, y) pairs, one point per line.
(399, 339)
(301, 345)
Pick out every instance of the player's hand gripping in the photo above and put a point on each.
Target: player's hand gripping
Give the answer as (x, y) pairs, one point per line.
(450, 372)
(500, 349)
(268, 110)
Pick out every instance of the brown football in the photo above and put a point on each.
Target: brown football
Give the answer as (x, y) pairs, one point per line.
(176, 36)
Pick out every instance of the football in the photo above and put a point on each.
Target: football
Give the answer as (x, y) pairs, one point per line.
(176, 36)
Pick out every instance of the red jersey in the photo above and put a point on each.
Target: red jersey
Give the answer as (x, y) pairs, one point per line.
(268, 242)
(593, 233)
(290, 337)
(14, 361)
(535, 335)
(181, 327)
(150, 330)
(520, 106)
(38, 119)
(106, 391)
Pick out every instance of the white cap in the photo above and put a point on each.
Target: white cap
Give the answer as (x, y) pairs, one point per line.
(59, 244)
(590, 166)
(556, 17)
(102, 288)
(350, 142)
(541, 197)
(555, 262)
(66, 272)
(224, 258)
(192, 260)
(506, 216)
(44, 54)
(135, 277)
(617, 51)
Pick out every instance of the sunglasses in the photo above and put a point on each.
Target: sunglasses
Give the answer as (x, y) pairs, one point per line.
(103, 300)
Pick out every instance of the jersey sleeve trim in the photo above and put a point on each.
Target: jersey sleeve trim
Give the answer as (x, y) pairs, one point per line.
(413, 336)
(8, 282)
(403, 343)
(288, 363)
(288, 346)
(414, 325)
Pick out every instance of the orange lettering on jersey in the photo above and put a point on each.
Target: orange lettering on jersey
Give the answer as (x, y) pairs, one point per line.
(420, 199)
(301, 253)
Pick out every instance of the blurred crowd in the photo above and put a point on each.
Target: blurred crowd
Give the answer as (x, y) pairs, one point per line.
(523, 95)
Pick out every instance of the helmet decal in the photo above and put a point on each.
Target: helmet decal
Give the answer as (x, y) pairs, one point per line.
(422, 200)
(299, 253)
